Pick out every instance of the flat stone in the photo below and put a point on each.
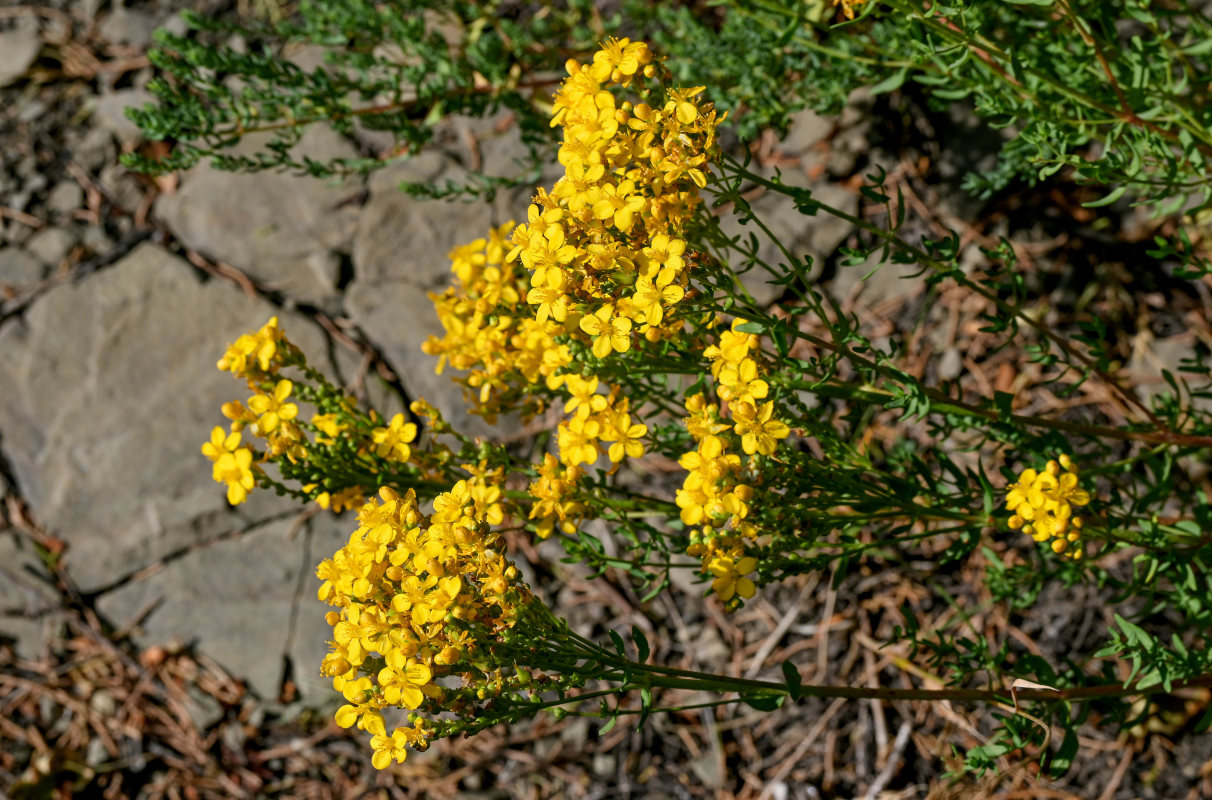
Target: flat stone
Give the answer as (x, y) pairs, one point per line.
(124, 26)
(18, 49)
(1151, 356)
(110, 113)
(110, 390)
(399, 317)
(950, 365)
(25, 595)
(246, 602)
(266, 223)
(806, 130)
(404, 238)
(232, 600)
(19, 268)
(816, 237)
(65, 198)
(873, 283)
(51, 245)
(94, 150)
(123, 187)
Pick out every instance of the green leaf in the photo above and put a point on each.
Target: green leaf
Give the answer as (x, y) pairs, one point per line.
(1200, 48)
(891, 83)
(641, 643)
(1063, 759)
(795, 683)
(764, 702)
(1205, 721)
(618, 644)
(1108, 199)
(751, 327)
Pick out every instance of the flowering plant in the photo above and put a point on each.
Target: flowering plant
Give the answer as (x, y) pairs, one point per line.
(619, 318)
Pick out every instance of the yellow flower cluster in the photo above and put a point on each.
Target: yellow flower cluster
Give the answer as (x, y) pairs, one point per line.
(233, 464)
(604, 246)
(256, 357)
(1042, 505)
(596, 418)
(415, 596)
(604, 259)
(271, 414)
(714, 503)
(714, 495)
(486, 333)
(554, 497)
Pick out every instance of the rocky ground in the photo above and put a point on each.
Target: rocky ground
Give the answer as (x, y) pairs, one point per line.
(126, 581)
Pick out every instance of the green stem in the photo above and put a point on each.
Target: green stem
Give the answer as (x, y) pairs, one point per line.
(1161, 434)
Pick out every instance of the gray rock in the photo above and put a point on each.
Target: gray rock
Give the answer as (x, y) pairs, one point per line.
(950, 365)
(32, 109)
(65, 198)
(96, 241)
(94, 150)
(232, 601)
(816, 237)
(110, 390)
(123, 188)
(874, 283)
(18, 49)
(51, 245)
(124, 26)
(268, 224)
(25, 596)
(204, 710)
(398, 316)
(807, 129)
(246, 602)
(96, 754)
(1151, 356)
(405, 238)
(19, 268)
(176, 25)
(858, 108)
(110, 113)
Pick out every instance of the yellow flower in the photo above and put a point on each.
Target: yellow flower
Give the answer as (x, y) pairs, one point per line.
(666, 253)
(233, 464)
(1042, 505)
(549, 297)
(628, 444)
(221, 443)
(759, 433)
(392, 442)
(240, 416)
(402, 681)
(730, 577)
(620, 204)
(619, 60)
(577, 441)
(741, 384)
(260, 347)
(649, 298)
(273, 410)
(585, 398)
(611, 333)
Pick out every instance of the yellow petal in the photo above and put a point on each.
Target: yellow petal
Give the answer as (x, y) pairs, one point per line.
(347, 715)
